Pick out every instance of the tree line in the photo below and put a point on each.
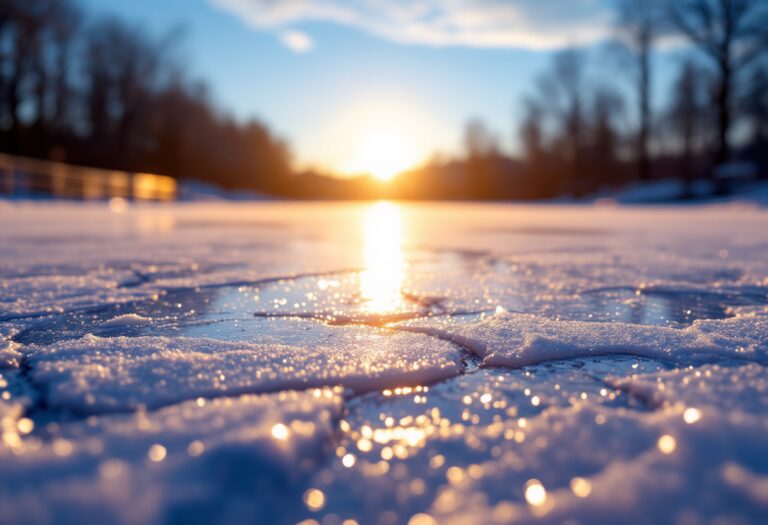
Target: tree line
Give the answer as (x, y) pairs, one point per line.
(580, 133)
(104, 93)
(577, 135)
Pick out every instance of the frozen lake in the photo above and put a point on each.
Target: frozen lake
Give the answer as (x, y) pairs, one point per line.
(383, 363)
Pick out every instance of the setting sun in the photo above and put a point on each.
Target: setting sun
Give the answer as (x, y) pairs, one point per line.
(383, 152)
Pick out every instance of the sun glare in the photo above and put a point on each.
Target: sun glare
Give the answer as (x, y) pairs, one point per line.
(382, 279)
(383, 152)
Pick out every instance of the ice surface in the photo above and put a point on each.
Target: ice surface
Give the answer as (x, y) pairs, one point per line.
(458, 363)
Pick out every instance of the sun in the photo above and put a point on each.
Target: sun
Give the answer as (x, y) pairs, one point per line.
(383, 152)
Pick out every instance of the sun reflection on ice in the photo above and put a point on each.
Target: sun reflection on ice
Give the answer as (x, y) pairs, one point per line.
(382, 279)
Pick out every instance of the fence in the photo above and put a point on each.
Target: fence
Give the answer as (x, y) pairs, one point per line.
(21, 176)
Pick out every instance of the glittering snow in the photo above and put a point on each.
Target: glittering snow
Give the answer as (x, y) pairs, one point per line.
(417, 364)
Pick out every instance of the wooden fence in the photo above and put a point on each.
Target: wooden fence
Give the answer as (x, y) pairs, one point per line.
(21, 176)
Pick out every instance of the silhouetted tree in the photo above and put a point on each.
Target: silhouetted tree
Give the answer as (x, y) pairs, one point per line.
(108, 94)
(532, 131)
(542, 173)
(687, 116)
(482, 148)
(607, 108)
(732, 33)
(123, 67)
(563, 89)
(64, 28)
(640, 23)
(756, 109)
(25, 23)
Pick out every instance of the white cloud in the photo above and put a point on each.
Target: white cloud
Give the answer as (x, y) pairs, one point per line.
(297, 41)
(532, 24)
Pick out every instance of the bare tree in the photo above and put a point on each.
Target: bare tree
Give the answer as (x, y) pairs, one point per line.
(732, 33)
(687, 115)
(532, 131)
(479, 140)
(64, 30)
(25, 25)
(756, 109)
(123, 70)
(606, 109)
(482, 147)
(563, 90)
(639, 25)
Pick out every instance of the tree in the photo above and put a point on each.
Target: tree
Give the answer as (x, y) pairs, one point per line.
(606, 108)
(111, 95)
(540, 166)
(686, 115)
(64, 30)
(732, 33)
(481, 149)
(640, 23)
(563, 90)
(25, 23)
(756, 109)
(532, 131)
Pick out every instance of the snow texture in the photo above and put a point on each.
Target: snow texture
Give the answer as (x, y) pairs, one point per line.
(211, 362)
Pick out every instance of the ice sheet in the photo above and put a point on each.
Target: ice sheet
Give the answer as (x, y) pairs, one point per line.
(476, 363)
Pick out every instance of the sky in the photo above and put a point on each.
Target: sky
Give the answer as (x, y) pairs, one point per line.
(338, 79)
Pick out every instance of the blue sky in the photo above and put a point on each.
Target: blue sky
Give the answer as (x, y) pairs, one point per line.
(320, 72)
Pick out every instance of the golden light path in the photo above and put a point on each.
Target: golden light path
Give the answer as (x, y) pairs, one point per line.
(385, 266)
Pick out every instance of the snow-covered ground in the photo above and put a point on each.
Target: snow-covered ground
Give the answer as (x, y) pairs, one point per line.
(374, 363)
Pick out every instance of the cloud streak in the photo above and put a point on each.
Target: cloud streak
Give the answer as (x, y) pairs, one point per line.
(297, 41)
(527, 24)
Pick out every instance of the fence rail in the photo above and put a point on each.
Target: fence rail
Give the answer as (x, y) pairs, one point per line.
(22, 176)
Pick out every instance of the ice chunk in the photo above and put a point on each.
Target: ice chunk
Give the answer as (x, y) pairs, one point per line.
(97, 374)
(126, 320)
(517, 340)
